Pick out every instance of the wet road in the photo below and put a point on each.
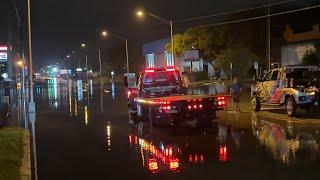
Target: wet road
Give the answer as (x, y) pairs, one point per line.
(89, 135)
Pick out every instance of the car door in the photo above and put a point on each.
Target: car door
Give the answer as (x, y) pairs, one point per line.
(271, 83)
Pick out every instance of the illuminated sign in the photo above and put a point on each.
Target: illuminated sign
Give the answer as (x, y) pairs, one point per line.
(191, 55)
(3, 48)
(65, 71)
(3, 56)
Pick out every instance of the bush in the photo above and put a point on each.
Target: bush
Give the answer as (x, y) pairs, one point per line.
(11, 153)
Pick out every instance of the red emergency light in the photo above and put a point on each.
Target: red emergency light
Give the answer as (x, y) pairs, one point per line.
(170, 69)
(149, 71)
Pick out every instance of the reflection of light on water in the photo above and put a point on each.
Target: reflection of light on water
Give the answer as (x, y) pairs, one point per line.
(223, 153)
(53, 92)
(86, 115)
(70, 100)
(113, 90)
(91, 87)
(79, 90)
(75, 107)
(109, 136)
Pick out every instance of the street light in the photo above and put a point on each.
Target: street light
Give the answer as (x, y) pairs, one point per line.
(20, 63)
(141, 14)
(83, 45)
(68, 56)
(104, 33)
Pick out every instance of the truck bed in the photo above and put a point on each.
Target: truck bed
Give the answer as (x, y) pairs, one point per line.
(173, 98)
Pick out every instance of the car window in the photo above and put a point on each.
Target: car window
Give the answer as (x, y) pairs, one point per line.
(274, 75)
(168, 77)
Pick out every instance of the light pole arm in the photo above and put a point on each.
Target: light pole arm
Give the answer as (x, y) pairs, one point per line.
(159, 18)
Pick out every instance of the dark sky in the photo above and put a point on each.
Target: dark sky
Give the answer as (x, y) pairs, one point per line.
(59, 26)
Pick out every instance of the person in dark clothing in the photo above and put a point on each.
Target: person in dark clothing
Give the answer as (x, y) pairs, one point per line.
(235, 93)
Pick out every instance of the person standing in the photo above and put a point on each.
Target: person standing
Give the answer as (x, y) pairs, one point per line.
(235, 93)
(185, 82)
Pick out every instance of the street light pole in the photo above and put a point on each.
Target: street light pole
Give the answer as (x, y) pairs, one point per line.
(172, 43)
(32, 108)
(169, 22)
(100, 63)
(127, 55)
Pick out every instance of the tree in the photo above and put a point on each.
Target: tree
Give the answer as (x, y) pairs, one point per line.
(210, 41)
(241, 57)
(312, 57)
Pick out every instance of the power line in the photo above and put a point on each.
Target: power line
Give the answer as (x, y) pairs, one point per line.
(233, 12)
(261, 17)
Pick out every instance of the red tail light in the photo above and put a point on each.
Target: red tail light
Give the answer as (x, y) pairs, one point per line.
(221, 101)
(166, 107)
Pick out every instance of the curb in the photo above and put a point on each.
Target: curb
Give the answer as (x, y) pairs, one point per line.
(25, 168)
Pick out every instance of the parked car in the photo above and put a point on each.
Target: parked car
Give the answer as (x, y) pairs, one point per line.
(291, 86)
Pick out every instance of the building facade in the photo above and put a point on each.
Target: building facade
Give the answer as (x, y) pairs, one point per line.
(298, 45)
(156, 55)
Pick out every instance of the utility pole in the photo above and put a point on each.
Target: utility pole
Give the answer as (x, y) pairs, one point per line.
(32, 108)
(172, 43)
(268, 29)
(127, 55)
(100, 63)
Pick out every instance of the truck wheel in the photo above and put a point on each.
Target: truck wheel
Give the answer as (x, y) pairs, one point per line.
(290, 106)
(256, 104)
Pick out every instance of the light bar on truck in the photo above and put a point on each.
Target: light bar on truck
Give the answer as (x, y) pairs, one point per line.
(149, 71)
(170, 69)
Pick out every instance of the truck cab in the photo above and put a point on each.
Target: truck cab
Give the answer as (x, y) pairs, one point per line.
(159, 82)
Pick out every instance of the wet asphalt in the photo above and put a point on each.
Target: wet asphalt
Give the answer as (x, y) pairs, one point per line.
(90, 135)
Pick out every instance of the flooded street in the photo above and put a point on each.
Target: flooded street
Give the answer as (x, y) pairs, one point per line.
(87, 133)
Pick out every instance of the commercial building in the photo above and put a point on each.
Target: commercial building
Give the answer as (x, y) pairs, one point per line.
(10, 38)
(298, 44)
(156, 54)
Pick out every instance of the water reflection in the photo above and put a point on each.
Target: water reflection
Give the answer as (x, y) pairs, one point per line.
(288, 141)
(86, 115)
(108, 128)
(53, 93)
(113, 90)
(80, 90)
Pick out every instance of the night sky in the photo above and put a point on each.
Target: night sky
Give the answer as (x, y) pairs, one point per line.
(60, 26)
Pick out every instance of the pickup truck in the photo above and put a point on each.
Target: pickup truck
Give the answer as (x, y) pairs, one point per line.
(161, 99)
(290, 86)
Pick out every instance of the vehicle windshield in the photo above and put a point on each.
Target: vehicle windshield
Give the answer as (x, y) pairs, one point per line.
(162, 78)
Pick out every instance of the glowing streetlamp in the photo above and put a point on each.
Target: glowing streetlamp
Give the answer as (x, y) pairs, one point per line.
(20, 63)
(83, 45)
(104, 33)
(140, 14)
